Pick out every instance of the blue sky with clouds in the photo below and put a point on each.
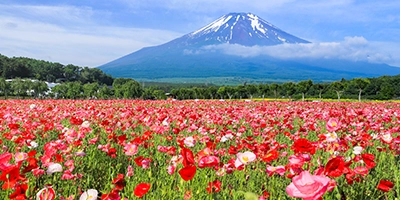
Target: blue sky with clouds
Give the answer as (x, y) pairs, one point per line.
(93, 32)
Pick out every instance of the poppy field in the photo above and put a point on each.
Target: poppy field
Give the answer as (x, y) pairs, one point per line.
(132, 149)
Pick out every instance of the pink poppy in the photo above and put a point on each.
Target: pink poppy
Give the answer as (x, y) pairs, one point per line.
(279, 170)
(171, 169)
(244, 158)
(361, 170)
(54, 167)
(129, 171)
(189, 141)
(20, 156)
(208, 161)
(130, 149)
(333, 125)
(90, 194)
(307, 186)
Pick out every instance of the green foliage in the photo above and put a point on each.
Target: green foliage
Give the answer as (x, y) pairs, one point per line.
(289, 89)
(303, 87)
(93, 83)
(19, 67)
(75, 90)
(39, 88)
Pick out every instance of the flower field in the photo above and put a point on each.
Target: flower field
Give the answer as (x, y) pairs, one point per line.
(131, 149)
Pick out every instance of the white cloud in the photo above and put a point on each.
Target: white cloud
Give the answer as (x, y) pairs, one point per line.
(351, 48)
(57, 36)
(199, 6)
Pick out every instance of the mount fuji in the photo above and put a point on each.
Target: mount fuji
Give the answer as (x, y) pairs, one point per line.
(237, 28)
(201, 55)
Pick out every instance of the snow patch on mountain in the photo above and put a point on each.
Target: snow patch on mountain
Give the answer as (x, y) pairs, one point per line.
(240, 28)
(215, 26)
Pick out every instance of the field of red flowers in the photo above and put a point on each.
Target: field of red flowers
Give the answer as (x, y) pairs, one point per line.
(130, 149)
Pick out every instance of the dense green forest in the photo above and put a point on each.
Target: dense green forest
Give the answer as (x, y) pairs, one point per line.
(20, 67)
(28, 76)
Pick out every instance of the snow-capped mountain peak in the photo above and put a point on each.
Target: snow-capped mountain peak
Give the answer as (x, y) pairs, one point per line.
(241, 28)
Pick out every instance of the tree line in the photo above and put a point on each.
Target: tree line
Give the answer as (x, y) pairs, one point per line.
(28, 68)
(382, 88)
(29, 76)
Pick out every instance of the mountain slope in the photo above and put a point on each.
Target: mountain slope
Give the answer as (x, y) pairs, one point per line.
(190, 57)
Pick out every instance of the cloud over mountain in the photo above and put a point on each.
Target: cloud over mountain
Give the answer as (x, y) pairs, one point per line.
(351, 48)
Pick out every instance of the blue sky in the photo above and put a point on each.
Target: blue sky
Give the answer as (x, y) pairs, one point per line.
(93, 32)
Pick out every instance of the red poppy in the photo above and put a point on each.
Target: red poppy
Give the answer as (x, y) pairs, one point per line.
(302, 145)
(369, 160)
(188, 158)
(385, 185)
(214, 186)
(350, 177)
(232, 150)
(75, 121)
(119, 182)
(121, 139)
(13, 126)
(139, 160)
(211, 145)
(112, 152)
(270, 156)
(12, 178)
(19, 193)
(32, 164)
(187, 173)
(142, 189)
(335, 167)
(111, 196)
(32, 153)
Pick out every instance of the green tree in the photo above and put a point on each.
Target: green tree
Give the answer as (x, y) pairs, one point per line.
(175, 92)
(39, 88)
(275, 88)
(4, 87)
(361, 84)
(212, 92)
(320, 87)
(118, 87)
(60, 91)
(71, 72)
(159, 94)
(264, 89)
(90, 90)
(303, 87)
(105, 92)
(199, 93)
(132, 89)
(221, 92)
(19, 87)
(75, 90)
(386, 92)
(241, 91)
(224, 91)
(289, 88)
(148, 93)
(251, 90)
(338, 87)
